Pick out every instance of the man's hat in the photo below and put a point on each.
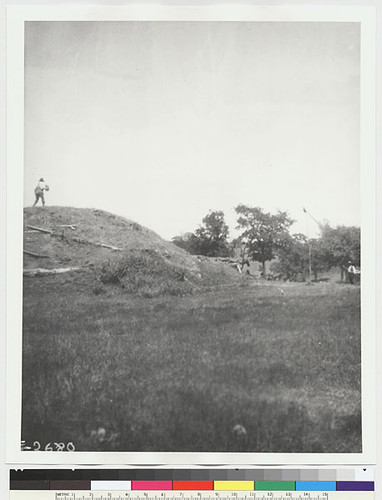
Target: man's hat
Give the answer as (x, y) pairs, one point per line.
(41, 180)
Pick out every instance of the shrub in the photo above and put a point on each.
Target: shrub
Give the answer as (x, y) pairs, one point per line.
(146, 274)
(98, 289)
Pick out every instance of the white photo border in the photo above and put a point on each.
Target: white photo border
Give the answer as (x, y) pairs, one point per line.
(16, 17)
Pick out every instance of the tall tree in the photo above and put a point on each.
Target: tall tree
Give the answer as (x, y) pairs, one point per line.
(293, 259)
(319, 261)
(263, 233)
(340, 245)
(210, 239)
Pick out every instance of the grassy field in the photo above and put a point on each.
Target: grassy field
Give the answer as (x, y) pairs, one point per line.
(116, 372)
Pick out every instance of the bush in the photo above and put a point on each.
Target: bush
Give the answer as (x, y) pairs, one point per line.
(98, 289)
(146, 274)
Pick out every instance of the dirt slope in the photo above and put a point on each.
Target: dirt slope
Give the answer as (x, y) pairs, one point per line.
(78, 232)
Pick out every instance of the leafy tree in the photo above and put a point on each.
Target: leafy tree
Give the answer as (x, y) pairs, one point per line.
(319, 261)
(212, 235)
(292, 259)
(264, 234)
(334, 248)
(340, 245)
(295, 257)
(210, 239)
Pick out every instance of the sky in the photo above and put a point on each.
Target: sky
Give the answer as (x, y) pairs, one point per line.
(161, 122)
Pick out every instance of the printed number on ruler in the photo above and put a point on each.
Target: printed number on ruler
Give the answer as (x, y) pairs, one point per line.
(223, 495)
(205, 495)
(194, 495)
(37, 446)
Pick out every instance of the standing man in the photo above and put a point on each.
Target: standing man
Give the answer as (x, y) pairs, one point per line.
(351, 272)
(39, 192)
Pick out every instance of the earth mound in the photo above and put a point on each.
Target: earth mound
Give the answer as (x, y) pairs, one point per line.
(119, 254)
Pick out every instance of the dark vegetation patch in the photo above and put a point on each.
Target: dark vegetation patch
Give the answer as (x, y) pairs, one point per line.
(145, 274)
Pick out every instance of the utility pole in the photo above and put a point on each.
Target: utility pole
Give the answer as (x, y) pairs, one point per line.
(309, 245)
(310, 261)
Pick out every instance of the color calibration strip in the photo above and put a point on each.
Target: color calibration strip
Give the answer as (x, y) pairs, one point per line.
(195, 474)
(247, 485)
(194, 485)
(221, 479)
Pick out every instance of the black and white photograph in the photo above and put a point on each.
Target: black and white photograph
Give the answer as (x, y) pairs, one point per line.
(192, 220)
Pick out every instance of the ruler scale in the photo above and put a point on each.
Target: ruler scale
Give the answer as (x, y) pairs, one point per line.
(189, 495)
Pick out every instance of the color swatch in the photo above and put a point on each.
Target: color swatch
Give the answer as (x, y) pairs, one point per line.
(190, 479)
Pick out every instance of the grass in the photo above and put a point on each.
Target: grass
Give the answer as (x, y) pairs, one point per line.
(123, 373)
